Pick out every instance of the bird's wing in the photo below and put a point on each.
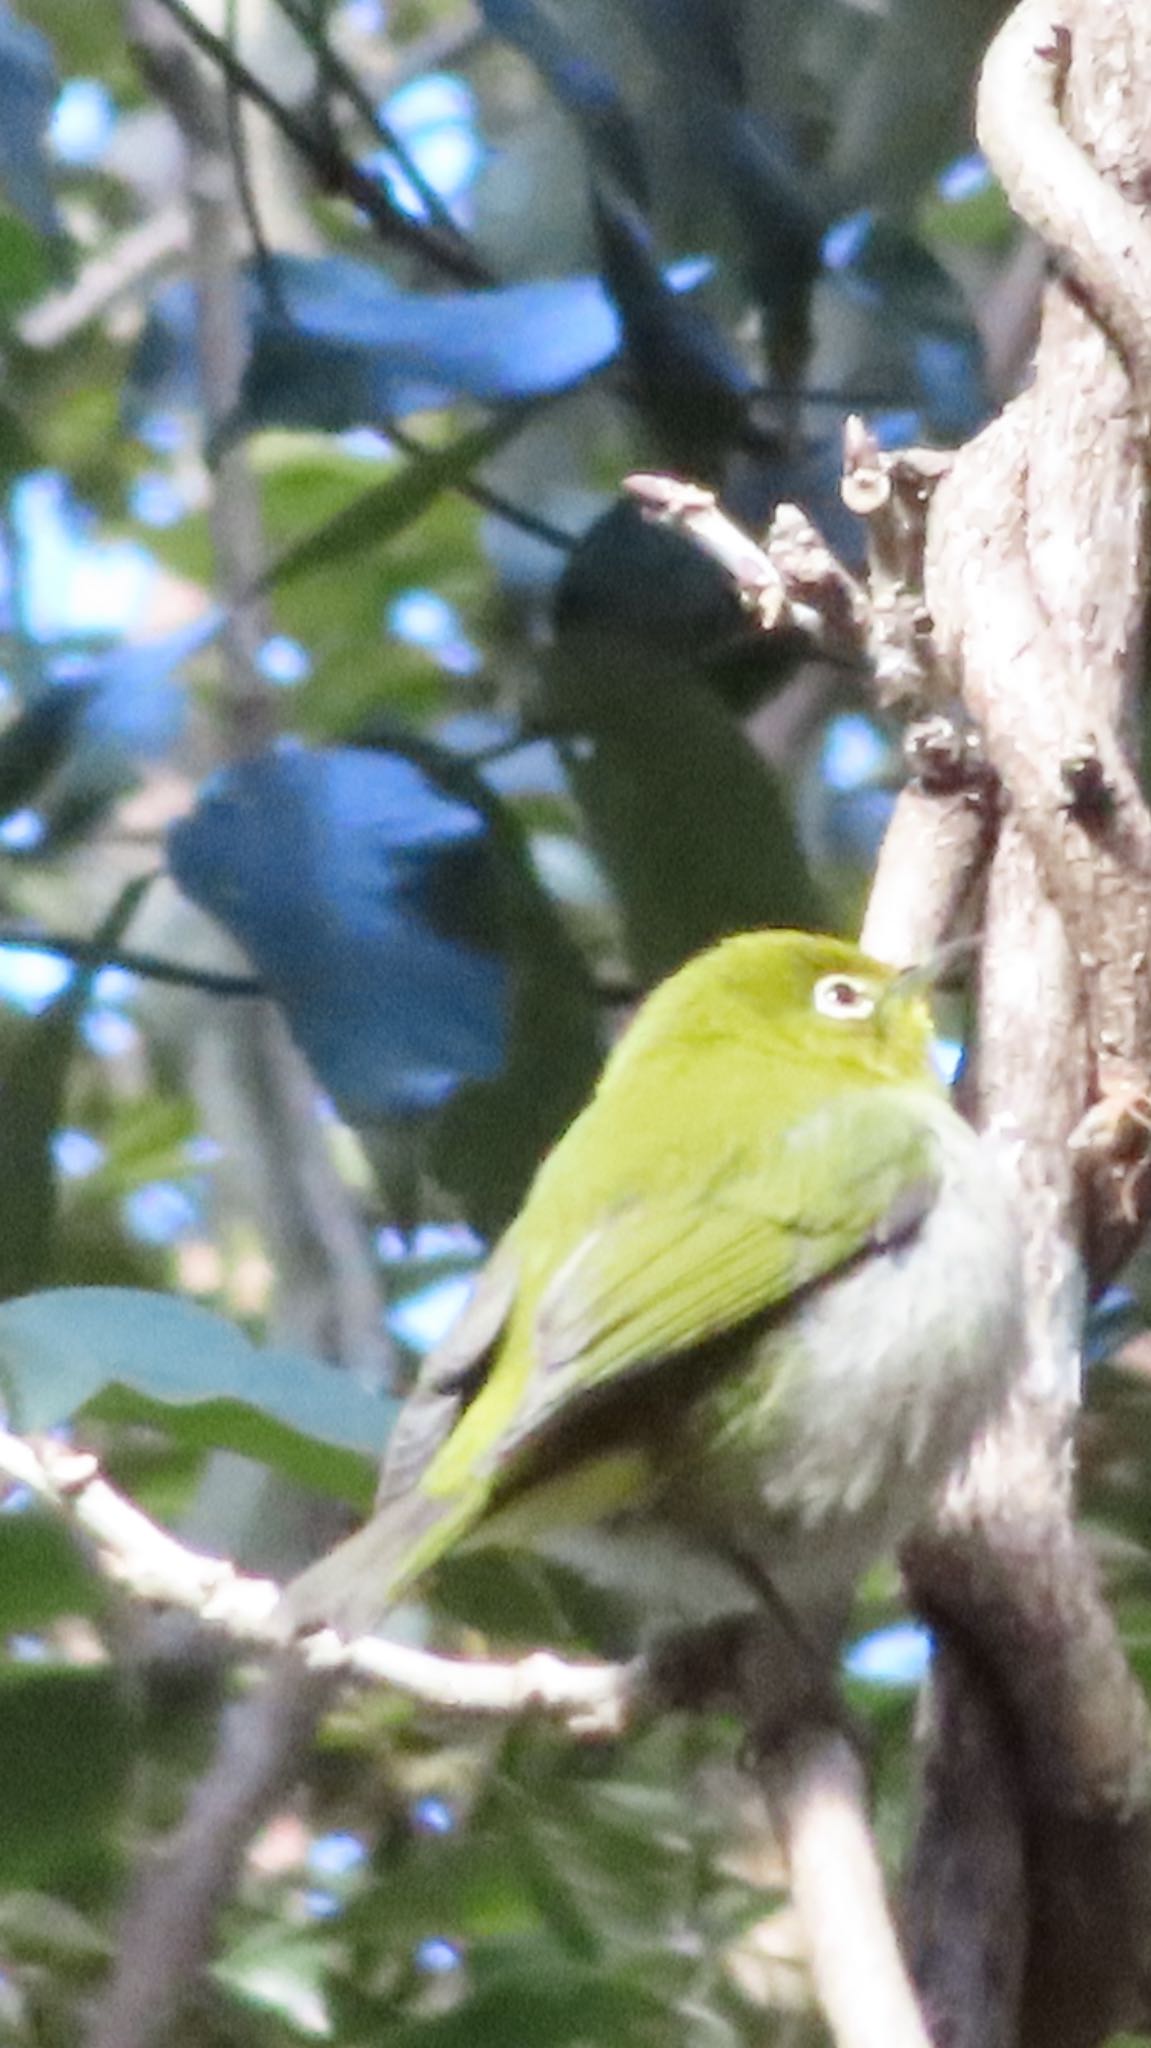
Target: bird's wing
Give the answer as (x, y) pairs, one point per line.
(667, 1272)
(448, 1378)
(352, 1588)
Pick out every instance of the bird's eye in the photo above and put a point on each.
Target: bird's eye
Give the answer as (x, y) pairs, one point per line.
(843, 995)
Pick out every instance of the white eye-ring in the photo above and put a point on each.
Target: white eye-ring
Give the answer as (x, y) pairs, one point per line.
(844, 996)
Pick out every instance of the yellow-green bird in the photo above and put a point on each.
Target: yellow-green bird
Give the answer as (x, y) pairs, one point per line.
(760, 1297)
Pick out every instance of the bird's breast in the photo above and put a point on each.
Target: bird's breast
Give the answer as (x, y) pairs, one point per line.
(886, 1374)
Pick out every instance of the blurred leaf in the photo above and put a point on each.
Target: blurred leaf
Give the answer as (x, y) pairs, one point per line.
(982, 219)
(37, 1928)
(926, 341)
(38, 740)
(461, 1886)
(633, 579)
(387, 901)
(392, 505)
(335, 345)
(277, 1969)
(546, 1876)
(136, 702)
(582, 88)
(670, 787)
(774, 199)
(553, 2007)
(95, 710)
(690, 382)
(28, 87)
(492, 1135)
(18, 451)
(367, 900)
(127, 1355)
(697, 42)
(339, 619)
(68, 1746)
(513, 1597)
(43, 1573)
(29, 267)
(32, 1083)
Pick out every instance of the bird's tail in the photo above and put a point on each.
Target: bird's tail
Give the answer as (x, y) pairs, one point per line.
(356, 1585)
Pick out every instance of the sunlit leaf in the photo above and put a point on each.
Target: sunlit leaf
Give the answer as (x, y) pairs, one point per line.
(134, 1356)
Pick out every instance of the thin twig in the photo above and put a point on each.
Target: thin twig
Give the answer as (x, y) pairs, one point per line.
(150, 966)
(152, 1566)
(488, 499)
(343, 78)
(334, 170)
(128, 262)
(789, 580)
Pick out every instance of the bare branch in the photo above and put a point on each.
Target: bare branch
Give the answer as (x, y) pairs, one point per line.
(1036, 576)
(151, 1566)
(817, 1799)
(129, 262)
(333, 170)
(177, 1892)
(791, 579)
(197, 108)
(1087, 221)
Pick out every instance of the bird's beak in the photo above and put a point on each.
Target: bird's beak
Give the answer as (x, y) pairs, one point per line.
(932, 973)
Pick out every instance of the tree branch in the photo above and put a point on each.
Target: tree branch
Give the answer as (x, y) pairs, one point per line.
(151, 1566)
(178, 1889)
(1036, 576)
(817, 1798)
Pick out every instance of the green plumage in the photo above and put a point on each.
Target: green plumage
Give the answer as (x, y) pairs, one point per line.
(650, 1343)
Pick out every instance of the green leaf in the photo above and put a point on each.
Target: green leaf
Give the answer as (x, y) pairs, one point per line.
(493, 1133)
(32, 1087)
(123, 1354)
(43, 1573)
(691, 825)
(378, 514)
(279, 1970)
(552, 2009)
(545, 1876)
(67, 1745)
(37, 1928)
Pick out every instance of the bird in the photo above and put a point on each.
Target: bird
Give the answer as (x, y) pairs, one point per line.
(759, 1300)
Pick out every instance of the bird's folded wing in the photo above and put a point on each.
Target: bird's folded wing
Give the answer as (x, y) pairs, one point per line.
(669, 1271)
